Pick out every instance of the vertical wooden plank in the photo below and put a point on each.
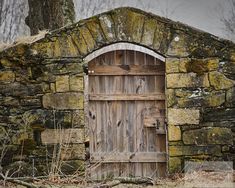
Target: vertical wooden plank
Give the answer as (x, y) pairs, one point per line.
(99, 129)
(92, 126)
(109, 126)
(161, 170)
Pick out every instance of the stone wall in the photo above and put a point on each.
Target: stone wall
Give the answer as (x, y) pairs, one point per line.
(42, 97)
(41, 113)
(201, 110)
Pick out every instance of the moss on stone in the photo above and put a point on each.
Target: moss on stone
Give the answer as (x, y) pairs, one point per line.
(200, 66)
(219, 81)
(174, 165)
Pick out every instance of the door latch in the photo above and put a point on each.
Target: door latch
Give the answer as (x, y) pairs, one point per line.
(157, 124)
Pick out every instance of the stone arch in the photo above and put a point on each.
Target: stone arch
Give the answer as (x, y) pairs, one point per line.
(168, 38)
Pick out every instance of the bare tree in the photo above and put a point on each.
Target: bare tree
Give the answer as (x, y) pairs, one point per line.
(12, 15)
(228, 19)
(49, 15)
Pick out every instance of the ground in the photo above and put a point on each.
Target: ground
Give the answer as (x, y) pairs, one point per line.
(192, 180)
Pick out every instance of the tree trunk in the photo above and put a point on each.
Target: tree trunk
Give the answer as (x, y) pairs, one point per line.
(49, 14)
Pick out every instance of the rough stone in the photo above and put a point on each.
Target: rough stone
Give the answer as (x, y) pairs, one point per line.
(230, 97)
(42, 119)
(34, 102)
(219, 135)
(183, 116)
(10, 101)
(107, 26)
(63, 67)
(76, 83)
(171, 99)
(198, 98)
(174, 133)
(62, 83)
(148, 33)
(172, 65)
(219, 81)
(228, 69)
(206, 136)
(200, 66)
(53, 136)
(78, 118)
(95, 30)
(194, 150)
(189, 80)
(219, 114)
(7, 76)
(174, 165)
(178, 48)
(128, 25)
(87, 37)
(20, 90)
(70, 100)
(161, 33)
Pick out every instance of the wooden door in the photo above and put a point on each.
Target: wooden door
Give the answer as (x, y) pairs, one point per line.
(127, 115)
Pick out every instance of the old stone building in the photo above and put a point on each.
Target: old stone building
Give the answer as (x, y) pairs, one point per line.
(47, 110)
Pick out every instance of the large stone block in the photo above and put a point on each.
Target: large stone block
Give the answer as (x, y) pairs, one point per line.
(87, 37)
(219, 135)
(228, 69)
(179, 46)
(194, 150)
(230, 97)
(171, 99)
(39, 119)
(199, 97)
(174, 165)
(149, 30)
(200, 66)
(54, 136)
(7, 76)
(206, 136)
(95, 29)
(78, 118)
(76, 83)
(128, 25)
(17, 89)
(219, 81)
(58, 67)
(172, 65)
(69, 100)
(183, 116)
(186, 80)
(174, 133)
(107, 26)
(219, 114)
(62, 83)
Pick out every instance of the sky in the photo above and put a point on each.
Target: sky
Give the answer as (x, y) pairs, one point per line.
(201, 14)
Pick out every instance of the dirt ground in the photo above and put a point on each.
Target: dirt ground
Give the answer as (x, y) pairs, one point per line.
(192, 180)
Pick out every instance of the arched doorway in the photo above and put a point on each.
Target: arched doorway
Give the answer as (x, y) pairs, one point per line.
(126, 115)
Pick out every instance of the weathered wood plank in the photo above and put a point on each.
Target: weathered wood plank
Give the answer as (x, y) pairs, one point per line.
(110, 157)
(126, 70)
(126, 97)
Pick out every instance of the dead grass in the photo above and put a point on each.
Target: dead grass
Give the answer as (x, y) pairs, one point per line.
(199, 179)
